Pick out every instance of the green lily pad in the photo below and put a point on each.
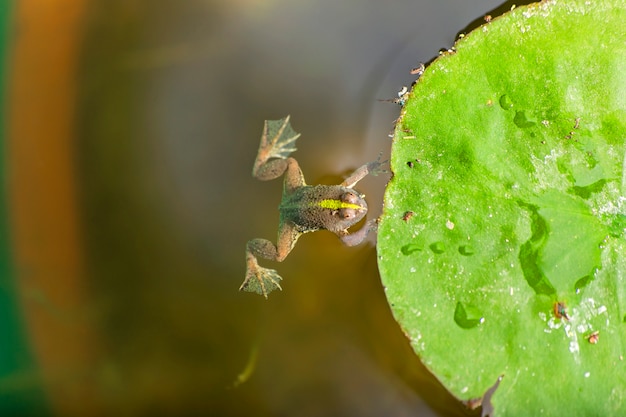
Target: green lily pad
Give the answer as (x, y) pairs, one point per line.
(510, 153)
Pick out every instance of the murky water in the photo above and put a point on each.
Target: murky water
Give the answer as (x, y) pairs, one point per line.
(171, 102)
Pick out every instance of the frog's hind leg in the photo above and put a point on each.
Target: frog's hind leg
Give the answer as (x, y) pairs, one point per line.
(264, 280)
(258, 279)
(278, 142)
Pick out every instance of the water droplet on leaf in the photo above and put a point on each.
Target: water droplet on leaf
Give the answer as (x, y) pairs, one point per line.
(466, 250)
(438, 247)
(505, 102)
(410, 248)
(582, 283)
(521, 120)
(529, 253)
(467, 316)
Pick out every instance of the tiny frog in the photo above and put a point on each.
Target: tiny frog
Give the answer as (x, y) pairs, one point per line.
(303, 208)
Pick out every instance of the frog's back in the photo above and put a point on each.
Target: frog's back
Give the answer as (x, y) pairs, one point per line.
(315, 207)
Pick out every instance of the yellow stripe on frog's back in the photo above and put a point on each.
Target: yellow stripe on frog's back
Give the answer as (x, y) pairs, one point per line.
(336, 204)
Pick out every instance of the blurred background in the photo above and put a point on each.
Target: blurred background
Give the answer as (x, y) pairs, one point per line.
(129, 130)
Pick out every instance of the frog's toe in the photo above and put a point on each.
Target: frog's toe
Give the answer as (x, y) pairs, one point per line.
(261, 281)
(376, 167)
(279, 138)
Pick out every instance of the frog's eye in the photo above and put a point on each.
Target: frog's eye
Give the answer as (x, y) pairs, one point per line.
(349, 197)
(347, 213)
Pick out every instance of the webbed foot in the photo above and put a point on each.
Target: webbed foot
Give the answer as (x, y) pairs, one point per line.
(261, 280)
(376, 167)
(278, 140)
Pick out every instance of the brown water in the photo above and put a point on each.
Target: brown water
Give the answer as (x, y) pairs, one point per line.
(171, 98)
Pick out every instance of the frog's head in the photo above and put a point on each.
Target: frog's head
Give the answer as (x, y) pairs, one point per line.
(347, 209)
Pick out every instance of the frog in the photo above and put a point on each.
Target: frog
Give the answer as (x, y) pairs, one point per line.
(303, 208)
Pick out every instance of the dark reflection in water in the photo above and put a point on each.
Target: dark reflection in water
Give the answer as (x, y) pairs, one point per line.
(173, 98)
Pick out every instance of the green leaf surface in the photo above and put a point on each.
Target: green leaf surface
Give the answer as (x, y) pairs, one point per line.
(510, 155)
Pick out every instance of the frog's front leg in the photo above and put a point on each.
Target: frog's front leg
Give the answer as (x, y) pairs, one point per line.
(373, 168)
(265, 280)
(356, 238)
